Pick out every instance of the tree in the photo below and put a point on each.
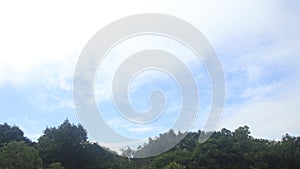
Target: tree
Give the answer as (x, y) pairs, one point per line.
(57, 165)
(11, 133)
(66, 147)
(174, 165)
(158, 145)
(242, 133)
(63, 144)
(96, 157)
(18, 155)
(226, 132)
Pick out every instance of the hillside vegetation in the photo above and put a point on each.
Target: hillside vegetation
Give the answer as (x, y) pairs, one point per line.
(67, 147)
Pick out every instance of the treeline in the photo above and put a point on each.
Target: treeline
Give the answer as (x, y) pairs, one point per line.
(62, 147)
(67, 147)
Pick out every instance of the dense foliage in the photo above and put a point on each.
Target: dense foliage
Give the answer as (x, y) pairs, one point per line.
(67, 147)
(18, 155)
(226, 149)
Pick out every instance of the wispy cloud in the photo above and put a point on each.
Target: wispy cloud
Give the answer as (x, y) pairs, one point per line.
(257, 42)
(263, 78)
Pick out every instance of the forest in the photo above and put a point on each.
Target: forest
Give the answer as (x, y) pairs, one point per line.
(67, 147)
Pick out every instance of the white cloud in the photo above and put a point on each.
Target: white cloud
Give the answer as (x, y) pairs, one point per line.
(41, 42)
(35, 33)
(265, 85)
(268, 118)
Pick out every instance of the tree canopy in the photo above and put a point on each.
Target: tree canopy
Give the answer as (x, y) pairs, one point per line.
(67, 147)
(11, 133)
(18, 155)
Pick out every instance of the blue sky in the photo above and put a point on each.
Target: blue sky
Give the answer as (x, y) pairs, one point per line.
(257, 43)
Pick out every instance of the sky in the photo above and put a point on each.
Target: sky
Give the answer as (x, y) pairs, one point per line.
(257, 43)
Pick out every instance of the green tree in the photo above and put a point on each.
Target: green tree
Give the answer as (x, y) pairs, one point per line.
(63, 144)
(242, 133)
(57, 165)
(18, 155)
(159, 144)
(11, 133)
(174, 165)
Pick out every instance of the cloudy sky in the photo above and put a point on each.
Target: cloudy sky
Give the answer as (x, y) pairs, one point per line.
(257, 43)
